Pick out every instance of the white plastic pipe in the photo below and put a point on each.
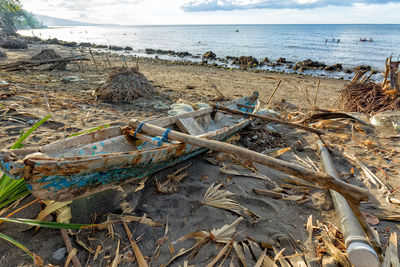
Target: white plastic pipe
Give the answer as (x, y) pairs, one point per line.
(360, 252)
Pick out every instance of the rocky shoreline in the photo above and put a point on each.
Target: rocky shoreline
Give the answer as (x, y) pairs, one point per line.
(209, 58)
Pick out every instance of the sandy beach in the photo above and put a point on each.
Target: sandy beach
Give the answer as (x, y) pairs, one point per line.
(68, 96)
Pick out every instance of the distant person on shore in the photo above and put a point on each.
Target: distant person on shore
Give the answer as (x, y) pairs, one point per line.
(370, 40)
(338, 40)
(326, 40)
(333, 40)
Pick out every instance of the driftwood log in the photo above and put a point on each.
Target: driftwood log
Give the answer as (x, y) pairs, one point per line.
(269, 119)
(352, 192)
(22, 64)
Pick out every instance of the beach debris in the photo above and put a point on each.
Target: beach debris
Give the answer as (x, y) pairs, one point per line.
(24, 64)
(223, 235)
(170, 185)
(387, 121)
(71, 79)
(215, 197)
(391, 254)
(47, 54)
(269, 119)
(352, 192)
(59, 254)
(124, 85)
(136, 250)
(279, 193)
(359, 250)
(362, 95)
(330, 242)
(3, 53)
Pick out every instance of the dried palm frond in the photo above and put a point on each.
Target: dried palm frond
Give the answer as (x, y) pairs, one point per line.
(136, 250)
(217, 198)
(223, 235)
(281, 195)
(332, 243)
(170, 185)
(391, 255)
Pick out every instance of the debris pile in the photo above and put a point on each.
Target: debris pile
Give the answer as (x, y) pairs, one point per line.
(48, 54)
(124, 85)
(362, 95)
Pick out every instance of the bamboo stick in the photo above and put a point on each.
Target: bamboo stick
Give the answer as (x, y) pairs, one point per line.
(352, 192)
(270, 119)
(358, 248)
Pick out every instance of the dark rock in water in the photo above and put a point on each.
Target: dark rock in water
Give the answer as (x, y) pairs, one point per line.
(99, 46)
(281, 60)
(347, 70)
(309, 64)
(3, 53)
(335, 67)
(290, 66)
(15, 43)
(85, 44)
(69, 44)
(116, 48)
(150, 51)
(31, 39)
(265, 60)
(183, 54)
(52, 41)
(362, 68)
(209, 55)
(246, 62)
(128, 48)
(230, 58)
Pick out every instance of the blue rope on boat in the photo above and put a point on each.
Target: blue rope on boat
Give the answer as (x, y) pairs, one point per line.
(165, 135)
(163, 138)
(216, 107)
(138, 129)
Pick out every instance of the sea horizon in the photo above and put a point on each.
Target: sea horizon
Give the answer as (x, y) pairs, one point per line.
(327, 43)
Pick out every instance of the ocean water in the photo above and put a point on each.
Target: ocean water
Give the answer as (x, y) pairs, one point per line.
(293, 42)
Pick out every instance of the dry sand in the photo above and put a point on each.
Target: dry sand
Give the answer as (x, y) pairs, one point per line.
(32, 94)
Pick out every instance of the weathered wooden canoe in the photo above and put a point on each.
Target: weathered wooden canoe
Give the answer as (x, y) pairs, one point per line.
(89, 163)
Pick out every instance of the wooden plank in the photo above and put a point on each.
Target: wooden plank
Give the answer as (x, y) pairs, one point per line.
(172, 120)
(190, 126)
(270, 119)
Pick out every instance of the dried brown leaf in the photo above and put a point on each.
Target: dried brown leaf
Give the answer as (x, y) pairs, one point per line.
(217, 198)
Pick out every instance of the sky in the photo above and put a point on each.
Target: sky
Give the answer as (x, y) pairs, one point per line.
(165, 12)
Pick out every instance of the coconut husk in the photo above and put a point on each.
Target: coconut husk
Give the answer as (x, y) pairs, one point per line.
(47, 54)
(124, 85)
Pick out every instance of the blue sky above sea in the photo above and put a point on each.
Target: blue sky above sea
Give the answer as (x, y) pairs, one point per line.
(166, 12)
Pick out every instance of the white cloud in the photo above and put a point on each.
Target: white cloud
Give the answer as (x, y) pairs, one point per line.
(136, 12)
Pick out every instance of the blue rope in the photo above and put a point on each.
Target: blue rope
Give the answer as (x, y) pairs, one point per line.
(216, 107)
(163, 138)
(138, 129)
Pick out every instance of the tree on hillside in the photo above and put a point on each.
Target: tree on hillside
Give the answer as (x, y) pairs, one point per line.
(8, 8)
(12, 16)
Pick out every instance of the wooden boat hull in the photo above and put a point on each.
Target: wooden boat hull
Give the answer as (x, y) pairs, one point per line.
(63, 187)
(62, 177)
